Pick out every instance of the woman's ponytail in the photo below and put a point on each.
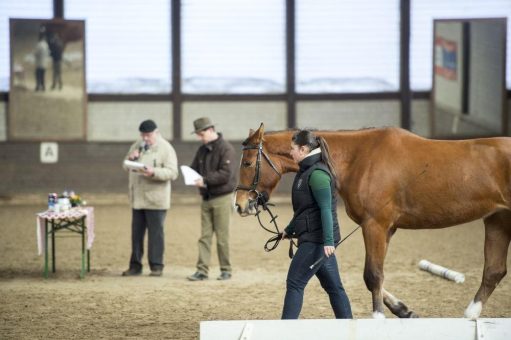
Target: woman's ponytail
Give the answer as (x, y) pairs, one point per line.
(325, 156)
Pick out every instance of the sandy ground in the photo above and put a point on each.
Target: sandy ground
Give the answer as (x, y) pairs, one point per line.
(106, 305)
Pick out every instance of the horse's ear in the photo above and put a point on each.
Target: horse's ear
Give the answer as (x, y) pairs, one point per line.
(257, 134)
(260, 132)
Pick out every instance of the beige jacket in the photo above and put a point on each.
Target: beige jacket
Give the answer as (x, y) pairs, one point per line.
(153, 192)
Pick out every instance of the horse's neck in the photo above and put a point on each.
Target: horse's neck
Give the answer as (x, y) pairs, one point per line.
(288, 164)
(278, 145)
(343, 147)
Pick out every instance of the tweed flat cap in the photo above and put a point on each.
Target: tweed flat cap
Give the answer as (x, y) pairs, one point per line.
(202, 124)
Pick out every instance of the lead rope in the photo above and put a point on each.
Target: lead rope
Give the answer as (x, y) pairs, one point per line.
(268, 246)
(262, 200)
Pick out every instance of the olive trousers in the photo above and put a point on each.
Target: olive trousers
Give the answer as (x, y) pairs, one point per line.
(215, 219)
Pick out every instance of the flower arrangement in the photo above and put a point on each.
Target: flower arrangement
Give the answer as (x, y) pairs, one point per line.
(75, 199)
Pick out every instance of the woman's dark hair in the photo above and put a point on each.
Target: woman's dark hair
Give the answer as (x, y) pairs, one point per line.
(309, 139)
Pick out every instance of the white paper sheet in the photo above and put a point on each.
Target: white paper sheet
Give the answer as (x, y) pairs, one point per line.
(189, 175)
(137, 166)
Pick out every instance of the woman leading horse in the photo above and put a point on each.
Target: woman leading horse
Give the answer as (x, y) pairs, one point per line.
(315, 225)
(390, 178)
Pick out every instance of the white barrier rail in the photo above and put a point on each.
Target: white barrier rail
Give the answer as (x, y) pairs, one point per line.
(359, 329)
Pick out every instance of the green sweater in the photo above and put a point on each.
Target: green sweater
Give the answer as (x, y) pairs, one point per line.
(320, 184)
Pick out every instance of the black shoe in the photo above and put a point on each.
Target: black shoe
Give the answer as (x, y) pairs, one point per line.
(156, 272)
(197, 276)
(131, 272)
(224, 276)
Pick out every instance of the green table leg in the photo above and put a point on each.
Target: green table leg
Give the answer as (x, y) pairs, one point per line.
(45, 249)
(53, 265)
(88, 251)
(82, 222)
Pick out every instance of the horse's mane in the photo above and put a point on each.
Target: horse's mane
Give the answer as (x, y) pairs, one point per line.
(280, 131)
(327, 130)
(275, 132)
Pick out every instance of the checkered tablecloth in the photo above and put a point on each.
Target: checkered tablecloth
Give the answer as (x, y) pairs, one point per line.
(71, 214)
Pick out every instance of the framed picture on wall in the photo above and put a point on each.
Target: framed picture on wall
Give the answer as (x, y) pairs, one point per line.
(47, 96)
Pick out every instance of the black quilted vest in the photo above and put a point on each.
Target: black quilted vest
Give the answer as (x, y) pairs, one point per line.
(307, 215)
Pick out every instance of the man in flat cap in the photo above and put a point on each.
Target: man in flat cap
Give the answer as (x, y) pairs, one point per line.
(214, 161)
(149, 191)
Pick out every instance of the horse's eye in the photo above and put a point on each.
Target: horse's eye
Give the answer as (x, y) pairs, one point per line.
(247, 164)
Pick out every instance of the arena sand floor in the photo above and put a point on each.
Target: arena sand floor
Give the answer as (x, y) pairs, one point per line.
(106, 305)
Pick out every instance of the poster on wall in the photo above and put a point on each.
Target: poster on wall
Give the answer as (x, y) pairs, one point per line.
(446, 58)
(47, 96)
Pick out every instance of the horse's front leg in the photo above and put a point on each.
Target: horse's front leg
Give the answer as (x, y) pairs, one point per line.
(375, 244)
(396, 306)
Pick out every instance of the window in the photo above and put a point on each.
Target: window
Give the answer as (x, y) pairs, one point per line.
(128, 44)
(26, 9)
(347, 46)
(423, 13)
(231, 46)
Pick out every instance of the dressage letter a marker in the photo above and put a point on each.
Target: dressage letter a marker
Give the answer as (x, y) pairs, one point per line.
(49, 152)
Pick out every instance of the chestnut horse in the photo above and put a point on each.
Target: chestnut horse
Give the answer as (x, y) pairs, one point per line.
(390, 178)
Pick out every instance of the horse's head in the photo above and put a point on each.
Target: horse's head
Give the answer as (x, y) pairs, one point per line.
(258, 175)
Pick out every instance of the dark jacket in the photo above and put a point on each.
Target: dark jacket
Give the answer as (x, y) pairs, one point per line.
(307, 214)
(215, 162)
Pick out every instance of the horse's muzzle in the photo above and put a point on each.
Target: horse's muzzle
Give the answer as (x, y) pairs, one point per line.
(249, 209)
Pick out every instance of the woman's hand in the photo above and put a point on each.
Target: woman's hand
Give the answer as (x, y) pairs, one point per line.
(284, 235)
(329, 250)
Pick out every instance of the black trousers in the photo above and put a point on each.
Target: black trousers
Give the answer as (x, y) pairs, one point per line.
(57, 74)
(152, 220)
(39, 79)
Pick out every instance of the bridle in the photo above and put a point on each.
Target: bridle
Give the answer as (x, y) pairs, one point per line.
(255, 181)
(261, 198)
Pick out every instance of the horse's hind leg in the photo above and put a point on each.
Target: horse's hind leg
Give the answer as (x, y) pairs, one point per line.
(496, 244)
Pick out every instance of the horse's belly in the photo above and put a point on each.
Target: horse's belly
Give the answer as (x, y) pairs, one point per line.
(442, 218)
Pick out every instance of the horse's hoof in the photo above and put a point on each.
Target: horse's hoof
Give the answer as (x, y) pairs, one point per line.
(473, 310)
(378, 315)
(413, 315)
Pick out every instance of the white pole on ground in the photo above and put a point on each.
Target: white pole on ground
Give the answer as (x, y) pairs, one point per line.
(441, 271)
